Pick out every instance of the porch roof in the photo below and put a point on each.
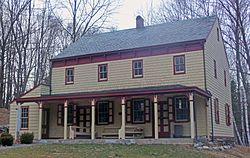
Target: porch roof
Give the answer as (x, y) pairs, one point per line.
(118, 92)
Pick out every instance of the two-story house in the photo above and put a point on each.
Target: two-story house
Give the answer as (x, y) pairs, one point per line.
(162, 81)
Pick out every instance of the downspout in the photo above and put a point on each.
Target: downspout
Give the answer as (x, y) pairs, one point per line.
(212, 121)
(50, 78)
(195, 119)
(204, 65)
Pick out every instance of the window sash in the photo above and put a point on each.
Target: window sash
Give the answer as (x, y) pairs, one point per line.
(103, 112)
(179, 64)
(103, 72)
(24, 117)
(69, 75)
(137, 68)
(181, 109)
(138, 109)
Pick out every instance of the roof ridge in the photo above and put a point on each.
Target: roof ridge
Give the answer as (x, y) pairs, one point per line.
(148, 26)
(158, 34)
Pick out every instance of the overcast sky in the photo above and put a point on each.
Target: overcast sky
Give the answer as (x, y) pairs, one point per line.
(127, 12)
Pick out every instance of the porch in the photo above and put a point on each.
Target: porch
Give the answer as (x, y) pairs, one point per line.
(140, 114)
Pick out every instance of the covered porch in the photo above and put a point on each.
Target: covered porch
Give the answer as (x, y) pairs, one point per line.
(141, 113)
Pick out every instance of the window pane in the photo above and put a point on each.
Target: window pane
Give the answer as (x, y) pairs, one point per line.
(135, 65)
(140, 71)
(139, 65)
(181, 60)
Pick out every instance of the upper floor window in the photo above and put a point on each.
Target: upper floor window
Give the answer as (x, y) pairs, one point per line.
(138, 109)
(181, 109)
(103, 72)
(218, 34)
(225, 78)
(227, 114)
(24, 117)
(216, 111)
(137, 66)
(69, 76)
(179, 64)
(215, 69)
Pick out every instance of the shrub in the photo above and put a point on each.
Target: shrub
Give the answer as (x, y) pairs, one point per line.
(6, 139)
(27, 138)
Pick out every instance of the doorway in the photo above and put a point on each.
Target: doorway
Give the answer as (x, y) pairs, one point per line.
(84, 118)
(45, 123)
(163, 120)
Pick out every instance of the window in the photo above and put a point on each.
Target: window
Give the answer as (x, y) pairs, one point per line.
(225, 78)
(215, 69)
(69, 76)
(103, 72)
(218, 34)
(216, 111)
(138, 108)
(137, 66)
(71, 114)
(103, 112)
(179, 64)
(181, 109)
(24, 117)
(227, 114)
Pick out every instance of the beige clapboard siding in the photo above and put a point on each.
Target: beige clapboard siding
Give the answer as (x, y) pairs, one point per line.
(201, 115)
(33, 118)
(215, 50)
(37, 91)
(158, 70)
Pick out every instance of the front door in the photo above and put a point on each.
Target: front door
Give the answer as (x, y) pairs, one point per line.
(45, 124)
(163, 120)
(84, 118)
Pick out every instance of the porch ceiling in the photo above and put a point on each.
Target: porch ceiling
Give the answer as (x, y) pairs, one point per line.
(118, 92)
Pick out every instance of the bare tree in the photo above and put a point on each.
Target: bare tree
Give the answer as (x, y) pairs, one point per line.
(86, 16)
(9, 15)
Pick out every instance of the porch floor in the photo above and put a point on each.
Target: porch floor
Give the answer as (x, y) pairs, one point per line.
(117, 141)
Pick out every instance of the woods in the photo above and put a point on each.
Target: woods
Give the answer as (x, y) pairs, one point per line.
(32, 32)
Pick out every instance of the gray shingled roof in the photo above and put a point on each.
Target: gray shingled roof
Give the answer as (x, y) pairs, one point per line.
(167, 33)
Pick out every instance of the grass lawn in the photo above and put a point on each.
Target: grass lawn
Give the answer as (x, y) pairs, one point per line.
(102, 151)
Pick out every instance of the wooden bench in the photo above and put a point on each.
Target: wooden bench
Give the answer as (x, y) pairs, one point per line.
(134, 132)
(73, 133)
(110, 132)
